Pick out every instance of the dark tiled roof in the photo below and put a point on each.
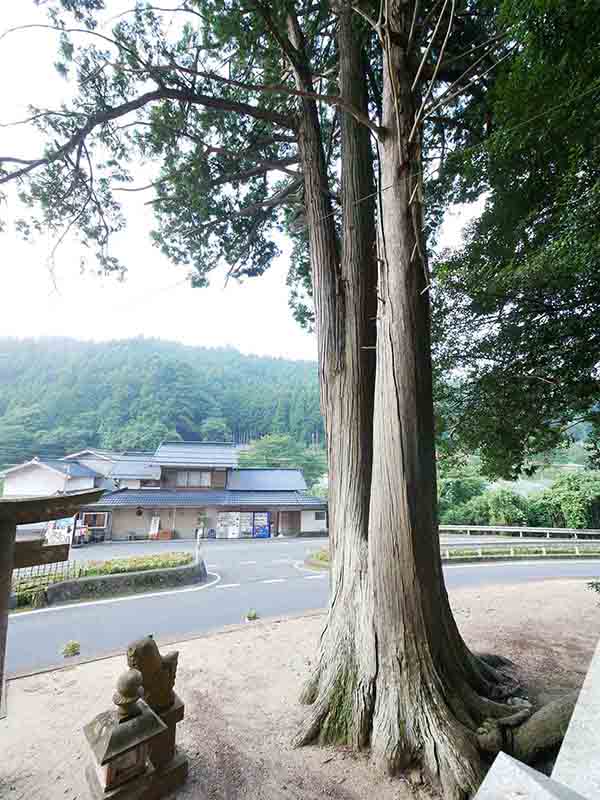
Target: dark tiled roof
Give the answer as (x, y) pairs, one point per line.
(266, 480)
(164, 498)
(71, 468)
(141, 467)
(196, 454)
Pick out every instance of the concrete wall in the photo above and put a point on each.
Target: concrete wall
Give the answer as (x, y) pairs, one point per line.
(34, 480)
(111, 585)
(130, 483)
(310, 524)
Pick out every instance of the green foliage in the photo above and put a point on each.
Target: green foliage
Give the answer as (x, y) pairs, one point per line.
(573, 501)
(252, 615)
(280, 450)
(215, 429)
(458, 488)
(516, 305)
(117, 566)
(30, 591)
(71, 648)
(59, 396)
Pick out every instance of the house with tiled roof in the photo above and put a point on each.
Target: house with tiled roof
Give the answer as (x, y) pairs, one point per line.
(44, 476)
(190, 487)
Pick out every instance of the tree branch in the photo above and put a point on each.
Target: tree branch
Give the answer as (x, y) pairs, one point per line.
(109, 114)
(275, 200)
(330, 99)
(259, 169)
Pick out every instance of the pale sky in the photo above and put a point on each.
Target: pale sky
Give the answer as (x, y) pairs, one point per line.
(153, 300)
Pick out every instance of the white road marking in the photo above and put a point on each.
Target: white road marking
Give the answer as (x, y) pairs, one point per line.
(274, 580)
(246, 563)
(227, 585)
(313, 577)
(14, 618)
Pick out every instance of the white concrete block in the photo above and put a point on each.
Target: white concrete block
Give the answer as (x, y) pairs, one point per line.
(509, 779)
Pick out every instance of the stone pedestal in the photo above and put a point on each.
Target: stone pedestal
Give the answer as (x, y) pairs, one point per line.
(153, 785)
(170, 765)
(162, 750)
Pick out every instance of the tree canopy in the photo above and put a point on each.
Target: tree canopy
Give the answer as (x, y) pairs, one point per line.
(518, 306)
(60, 395)
(281, 450)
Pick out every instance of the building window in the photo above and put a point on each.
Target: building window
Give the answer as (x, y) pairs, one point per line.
(320, 516)
(193, 479)
(94, 520)
(182, 478)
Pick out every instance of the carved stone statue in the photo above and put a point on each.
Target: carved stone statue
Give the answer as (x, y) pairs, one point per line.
(158, 672)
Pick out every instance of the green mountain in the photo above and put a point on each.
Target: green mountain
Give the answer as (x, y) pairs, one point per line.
(61, 395)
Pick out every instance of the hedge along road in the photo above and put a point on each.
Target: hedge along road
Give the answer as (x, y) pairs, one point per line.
(265, 575)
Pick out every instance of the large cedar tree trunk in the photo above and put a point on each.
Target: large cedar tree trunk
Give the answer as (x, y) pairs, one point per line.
(346, 664)
(393, 671)
(432, 694)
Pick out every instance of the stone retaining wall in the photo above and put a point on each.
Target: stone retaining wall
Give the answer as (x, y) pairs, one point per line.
(123, 583)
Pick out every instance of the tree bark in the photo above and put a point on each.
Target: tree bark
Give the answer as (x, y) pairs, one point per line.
(393, 670)
(341, 689)
(431, 691)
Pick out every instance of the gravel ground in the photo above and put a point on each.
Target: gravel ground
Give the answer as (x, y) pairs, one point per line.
(241, 685)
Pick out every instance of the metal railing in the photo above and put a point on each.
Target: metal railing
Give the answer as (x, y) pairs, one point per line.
(522, 531)
(518, 550)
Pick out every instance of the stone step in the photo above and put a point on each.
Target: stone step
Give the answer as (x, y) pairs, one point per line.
(578, 762)
(509, 779)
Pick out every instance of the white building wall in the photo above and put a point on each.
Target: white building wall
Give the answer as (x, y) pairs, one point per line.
(130, 483)
(32, 481)
(79, 484)
(309, 523)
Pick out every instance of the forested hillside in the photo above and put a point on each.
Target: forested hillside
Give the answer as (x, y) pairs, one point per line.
(60, 395)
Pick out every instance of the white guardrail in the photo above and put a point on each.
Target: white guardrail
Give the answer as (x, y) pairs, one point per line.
(522, 531)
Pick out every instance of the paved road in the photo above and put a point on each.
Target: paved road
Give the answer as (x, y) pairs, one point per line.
(238, 549)
(265, 575)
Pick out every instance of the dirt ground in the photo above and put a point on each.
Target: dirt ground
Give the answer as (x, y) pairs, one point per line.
(240, 687)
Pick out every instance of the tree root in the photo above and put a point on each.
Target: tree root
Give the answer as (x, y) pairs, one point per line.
(527, 736)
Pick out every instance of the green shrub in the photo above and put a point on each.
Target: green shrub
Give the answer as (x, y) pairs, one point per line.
(137, 564)
(71, 648)
(475, 511)
(459, 489)
(252, 615)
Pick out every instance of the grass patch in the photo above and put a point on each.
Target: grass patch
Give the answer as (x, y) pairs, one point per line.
(71, 648)
(118, 566)
(321, 556)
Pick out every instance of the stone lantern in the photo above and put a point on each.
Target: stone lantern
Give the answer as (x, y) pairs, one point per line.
(21, 511)
(120, 739)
